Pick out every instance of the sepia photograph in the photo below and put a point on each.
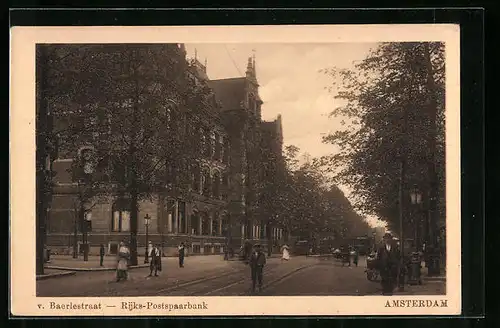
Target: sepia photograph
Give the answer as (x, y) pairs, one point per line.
(241, 169)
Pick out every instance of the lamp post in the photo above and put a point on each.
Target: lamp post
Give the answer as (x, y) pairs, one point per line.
(86, 227)
(415, 260)
(147, 219)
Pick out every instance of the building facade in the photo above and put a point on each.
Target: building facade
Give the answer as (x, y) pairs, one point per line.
(209, 198)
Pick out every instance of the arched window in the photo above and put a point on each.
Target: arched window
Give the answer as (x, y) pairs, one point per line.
(209, 143)
(216, 225)
(205, 224)
(120, 220)
(226, 150)
(216, 185)
(195, 223)
(206, 184)
(217, 146)
(195, 178)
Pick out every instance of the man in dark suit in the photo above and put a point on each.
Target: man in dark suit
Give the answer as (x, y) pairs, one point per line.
(257, 263)
(388, 263)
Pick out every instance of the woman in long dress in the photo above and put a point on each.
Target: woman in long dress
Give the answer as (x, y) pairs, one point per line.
(122, 266)
(285, 253)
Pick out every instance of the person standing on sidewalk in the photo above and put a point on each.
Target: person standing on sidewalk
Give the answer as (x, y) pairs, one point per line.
(182, 253)
(257, 263)
(388, 261)
(285, 253)
(102, 252)
(122, 267)
(155, 263)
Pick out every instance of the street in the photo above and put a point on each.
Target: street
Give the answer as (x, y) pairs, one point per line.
(203, 276)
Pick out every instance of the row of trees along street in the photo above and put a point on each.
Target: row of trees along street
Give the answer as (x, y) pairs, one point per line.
(134, 108)
(392, 105)
(307, 204)
(121, 101)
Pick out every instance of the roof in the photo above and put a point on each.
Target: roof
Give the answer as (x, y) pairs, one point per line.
(230, 92)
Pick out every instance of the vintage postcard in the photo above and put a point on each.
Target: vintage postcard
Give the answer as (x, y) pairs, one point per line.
(235, 170)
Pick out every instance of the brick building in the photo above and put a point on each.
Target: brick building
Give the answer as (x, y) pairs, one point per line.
(236, 153)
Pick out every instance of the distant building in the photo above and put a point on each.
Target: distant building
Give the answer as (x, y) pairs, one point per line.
(233, 145)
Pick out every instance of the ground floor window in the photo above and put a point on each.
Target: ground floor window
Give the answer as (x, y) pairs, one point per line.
(196, 249)
(205, 225)
(182, 217)
(121, 216)
(195, 224)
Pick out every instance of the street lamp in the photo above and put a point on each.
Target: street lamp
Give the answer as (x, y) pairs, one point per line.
(415, 260)
(147, 219)
(86, 227)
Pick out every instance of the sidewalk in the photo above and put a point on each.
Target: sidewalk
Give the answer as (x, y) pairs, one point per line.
(51, 273)
(67, 262)
(427, 288)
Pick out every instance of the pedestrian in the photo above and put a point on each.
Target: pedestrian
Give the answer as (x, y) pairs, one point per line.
(355, 256)
(182, 253)
(285, 253)
(155, 263)
(123, 258)
(257, 263)
(387, 262)
(102, 252)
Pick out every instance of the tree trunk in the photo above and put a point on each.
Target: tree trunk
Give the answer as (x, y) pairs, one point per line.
(75, 237)
(431, 159)
(270, 240)
(133, 225)
(41, 142)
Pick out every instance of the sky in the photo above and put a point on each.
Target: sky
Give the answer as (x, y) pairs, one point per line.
(290, 85)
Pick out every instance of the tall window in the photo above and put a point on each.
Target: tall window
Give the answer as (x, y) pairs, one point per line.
(218, 147)
(216, 185)
(215, 225)
(121, 216)
(195, 224)
(206, 183)
(195, 178)
(225, 225)
(226, 149)
(182, 217)
(208, 145)
(205, 224)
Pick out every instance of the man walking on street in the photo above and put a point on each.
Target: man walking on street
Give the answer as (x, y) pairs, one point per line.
(155, 263)
(387, 261)
(101, 255)
(182, 251)
(257, 263)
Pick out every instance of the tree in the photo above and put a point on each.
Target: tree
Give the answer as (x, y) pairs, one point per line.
(129, 104)
(306, 204)
(392, 106)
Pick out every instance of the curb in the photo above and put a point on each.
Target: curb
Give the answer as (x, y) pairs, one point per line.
(93, 269)
(55, 275)
(434, 279)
